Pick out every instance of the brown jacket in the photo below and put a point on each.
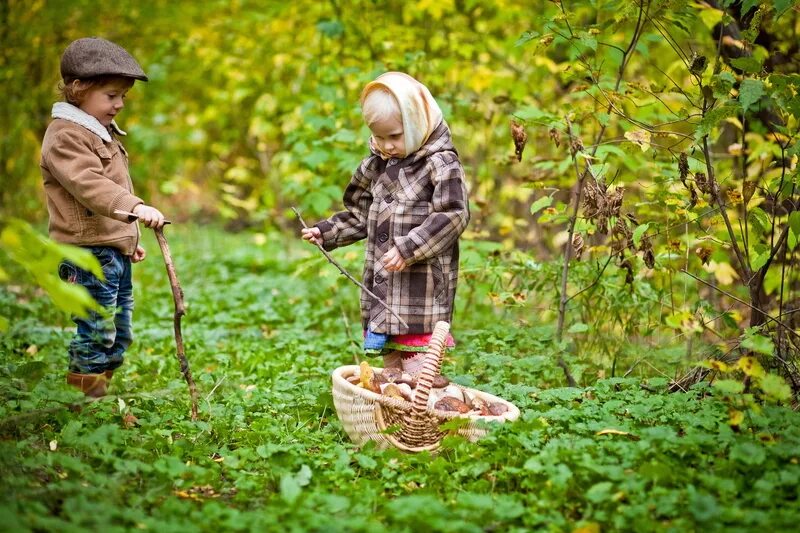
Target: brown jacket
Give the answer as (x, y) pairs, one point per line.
(418, 204)
(85, 173)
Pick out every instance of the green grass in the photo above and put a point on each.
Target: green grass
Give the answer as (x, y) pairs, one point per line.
(266, 325)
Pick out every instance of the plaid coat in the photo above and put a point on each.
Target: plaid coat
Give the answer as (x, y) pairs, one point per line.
(418, 204)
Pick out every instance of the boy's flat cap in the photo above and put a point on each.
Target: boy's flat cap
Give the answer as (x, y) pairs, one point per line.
(93, 56)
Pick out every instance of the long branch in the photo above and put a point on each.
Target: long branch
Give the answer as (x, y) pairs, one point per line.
(180, 310)
(722, 211)
(754, 308)
(347, 274)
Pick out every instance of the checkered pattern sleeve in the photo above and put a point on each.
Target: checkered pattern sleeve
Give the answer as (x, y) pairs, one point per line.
(350, 225)
(449, 216)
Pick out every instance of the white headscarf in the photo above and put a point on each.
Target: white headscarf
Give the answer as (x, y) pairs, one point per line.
(420, 112)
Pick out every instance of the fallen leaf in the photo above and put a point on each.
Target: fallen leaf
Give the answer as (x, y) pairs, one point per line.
(616, 432)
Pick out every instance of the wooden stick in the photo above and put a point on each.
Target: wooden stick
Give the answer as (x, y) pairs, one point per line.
(346, 274)
(180, 307)
(180, 310)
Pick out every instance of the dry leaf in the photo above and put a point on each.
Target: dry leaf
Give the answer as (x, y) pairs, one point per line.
(520, 138)
(129, 420)
(577, 245)
(748, 188)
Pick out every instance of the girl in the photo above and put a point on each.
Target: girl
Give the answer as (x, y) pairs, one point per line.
(409, 200)
(85, 171)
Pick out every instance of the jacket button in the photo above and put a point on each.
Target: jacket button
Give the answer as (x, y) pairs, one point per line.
(383, 237)
(388, 198)
(378, 278)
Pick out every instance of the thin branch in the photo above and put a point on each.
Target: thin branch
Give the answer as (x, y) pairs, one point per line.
(716, 197)
(594, 282)
(754, 308)
(347, 274)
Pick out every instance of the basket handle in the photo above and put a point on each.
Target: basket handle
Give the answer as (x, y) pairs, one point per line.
(414, 424)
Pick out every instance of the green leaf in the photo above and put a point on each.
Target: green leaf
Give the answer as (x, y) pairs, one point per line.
(758, 343)
(748, 64)
(759, 220)
(579, 327)
(775, 387)
(588, 40)
(599, 492)
(703, 506)
(541, 203)
(711, 17)
(290, 488)
(747, 5)
(714, 117)
(728, 386)
(749, 453)
(366, 462)
(722, 84)
(750, 91)
(526, 37)
(794, 222)
(781, 6)
(638, 232)
(31, 372)
(759, 260)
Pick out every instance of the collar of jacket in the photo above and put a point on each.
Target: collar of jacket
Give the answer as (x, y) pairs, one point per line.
(67, 111)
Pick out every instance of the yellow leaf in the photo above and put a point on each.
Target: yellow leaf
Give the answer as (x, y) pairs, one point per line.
(719, 366)
(592, 527)
(750, 366)
(736, 417)
(640, 138)
(616, 432)
(724, 272)
(734, 196)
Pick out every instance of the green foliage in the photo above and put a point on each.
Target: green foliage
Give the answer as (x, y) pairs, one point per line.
(40, 258)
(264, 329)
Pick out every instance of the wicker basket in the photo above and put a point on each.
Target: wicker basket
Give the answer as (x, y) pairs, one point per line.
(366, 415)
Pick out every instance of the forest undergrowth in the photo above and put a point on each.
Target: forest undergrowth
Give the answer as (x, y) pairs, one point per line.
(266, 325)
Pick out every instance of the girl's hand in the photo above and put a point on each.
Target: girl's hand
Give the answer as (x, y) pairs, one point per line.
(138, 255)
(393, 261)
(312, 235)
(149, 216)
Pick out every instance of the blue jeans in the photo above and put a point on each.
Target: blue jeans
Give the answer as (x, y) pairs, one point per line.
(102, 338)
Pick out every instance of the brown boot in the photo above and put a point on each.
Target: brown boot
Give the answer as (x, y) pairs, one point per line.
(92, 385)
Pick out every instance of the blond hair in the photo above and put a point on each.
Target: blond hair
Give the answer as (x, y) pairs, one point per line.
(379, 104)
(76, 95)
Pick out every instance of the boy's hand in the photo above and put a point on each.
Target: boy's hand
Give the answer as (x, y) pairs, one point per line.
(312, 235)
(393, 261)
(138, 255)
(149, 216)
